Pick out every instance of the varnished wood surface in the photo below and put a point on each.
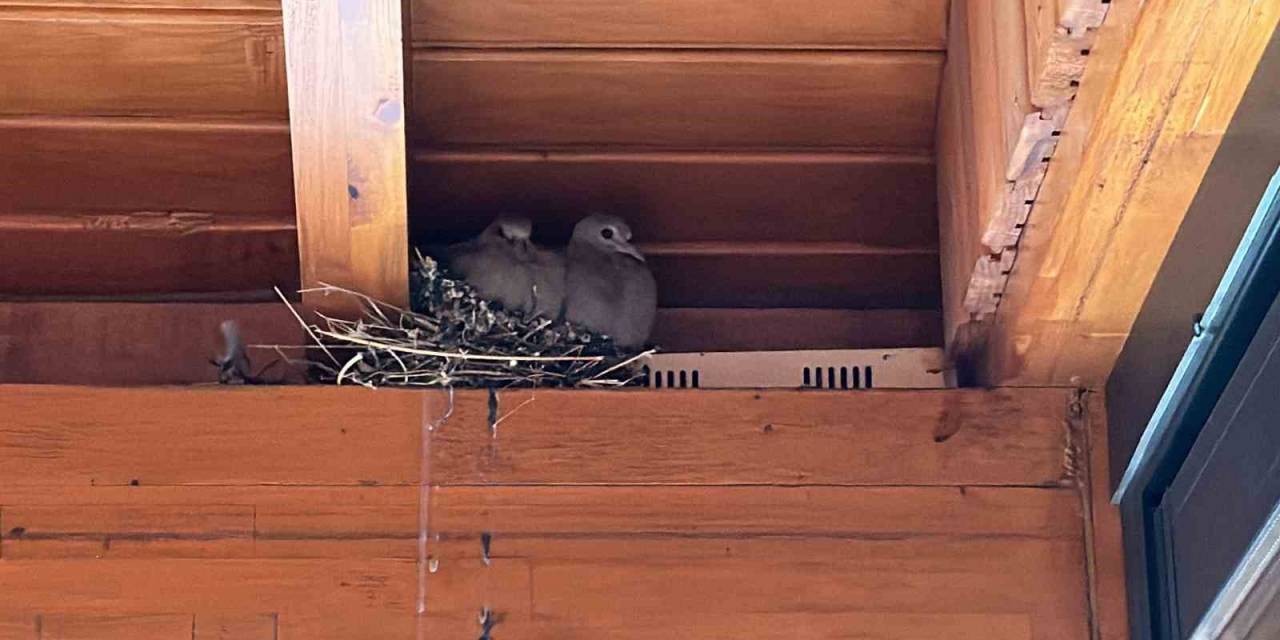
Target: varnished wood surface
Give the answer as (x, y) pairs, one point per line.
(682, 330)
(675, 99)
(145, 253)
(261, 517)
(739, 278)
(129, 344)
(145, 62)
(347, 123)
(781, 438)
(786, 24)
(983, 101)
(878, 199)
(144, 148)
(65, 165)
(1169, 79)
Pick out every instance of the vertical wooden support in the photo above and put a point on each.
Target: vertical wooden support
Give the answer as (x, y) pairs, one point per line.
(347, 115)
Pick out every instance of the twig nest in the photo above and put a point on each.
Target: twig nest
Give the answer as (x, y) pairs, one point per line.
(453, 337)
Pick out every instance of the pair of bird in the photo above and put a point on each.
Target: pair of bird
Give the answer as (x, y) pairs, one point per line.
(601, 280)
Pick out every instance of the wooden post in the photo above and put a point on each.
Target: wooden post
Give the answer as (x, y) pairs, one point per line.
(347, 114)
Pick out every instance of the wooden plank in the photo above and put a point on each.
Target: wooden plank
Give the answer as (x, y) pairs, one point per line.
(19, 627)
(90, 62)
(809, 24)
(95, 531)
(869, 626)
(1092, 248)
(1108, 586)
(138, 627)
(1060, 36)
(236, 627)
(749, 512)
(660, 552)
(132, 344)
(737, 276)
(739, 437)
(877, 199)
(347, 112)
(984, 101)
(172, 522)
(61, 165)
(145, 252)
(685, 329)
(191, 436)
(653, 568)
(313, 598)
(676, 99)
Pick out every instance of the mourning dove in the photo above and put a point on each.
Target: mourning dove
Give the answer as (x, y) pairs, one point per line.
(609, 287)
(504, 265)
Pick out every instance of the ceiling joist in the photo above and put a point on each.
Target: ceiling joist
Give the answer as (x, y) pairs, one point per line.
(347, 119)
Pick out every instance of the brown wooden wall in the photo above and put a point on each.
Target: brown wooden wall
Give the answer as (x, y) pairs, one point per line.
(773, 154)
(172, 514)
(776, 160)
(144, 148)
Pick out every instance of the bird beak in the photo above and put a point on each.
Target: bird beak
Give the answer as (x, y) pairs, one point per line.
(631, 250)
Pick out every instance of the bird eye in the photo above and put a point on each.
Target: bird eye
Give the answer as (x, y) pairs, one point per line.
(606, 233)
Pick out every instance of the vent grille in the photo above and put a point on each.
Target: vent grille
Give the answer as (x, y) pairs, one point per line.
(838, 370)
(852, 377)
(672, 378)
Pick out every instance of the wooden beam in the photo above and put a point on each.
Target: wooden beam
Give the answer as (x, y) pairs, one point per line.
(129, 344)
(347, 113)
(983, 104)
(1148, 120)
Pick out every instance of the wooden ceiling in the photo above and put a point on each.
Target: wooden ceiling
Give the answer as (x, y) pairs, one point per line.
(773, 157)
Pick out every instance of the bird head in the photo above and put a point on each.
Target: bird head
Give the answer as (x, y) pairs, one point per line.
(511, 229)
(606, 233)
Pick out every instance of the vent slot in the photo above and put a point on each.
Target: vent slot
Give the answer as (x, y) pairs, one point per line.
(672, 379)
(847, 378)
(844, 370)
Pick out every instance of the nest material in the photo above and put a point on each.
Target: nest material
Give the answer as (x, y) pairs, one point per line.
(454, 338)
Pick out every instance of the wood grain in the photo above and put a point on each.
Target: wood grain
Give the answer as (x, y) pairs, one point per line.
(676, 99)
(313, 598)
(685, 544)
(255, 516)
(983, 102)
(874, 24)
(137, 627)
(1107, 576)
(934, 438)
(122, 531)
(685, 329)
(750, 512)
(128, 522)
(738, 277)
(191, 436)
(1092, 248)
(108, 165)
(81, 254)
(885, 200)
(130, 344)
(347, 107)
(85, 61)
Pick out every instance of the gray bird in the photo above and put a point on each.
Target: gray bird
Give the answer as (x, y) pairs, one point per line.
(504, 265)
(610, 288)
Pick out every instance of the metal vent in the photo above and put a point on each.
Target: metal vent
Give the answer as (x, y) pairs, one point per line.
(834, 369)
